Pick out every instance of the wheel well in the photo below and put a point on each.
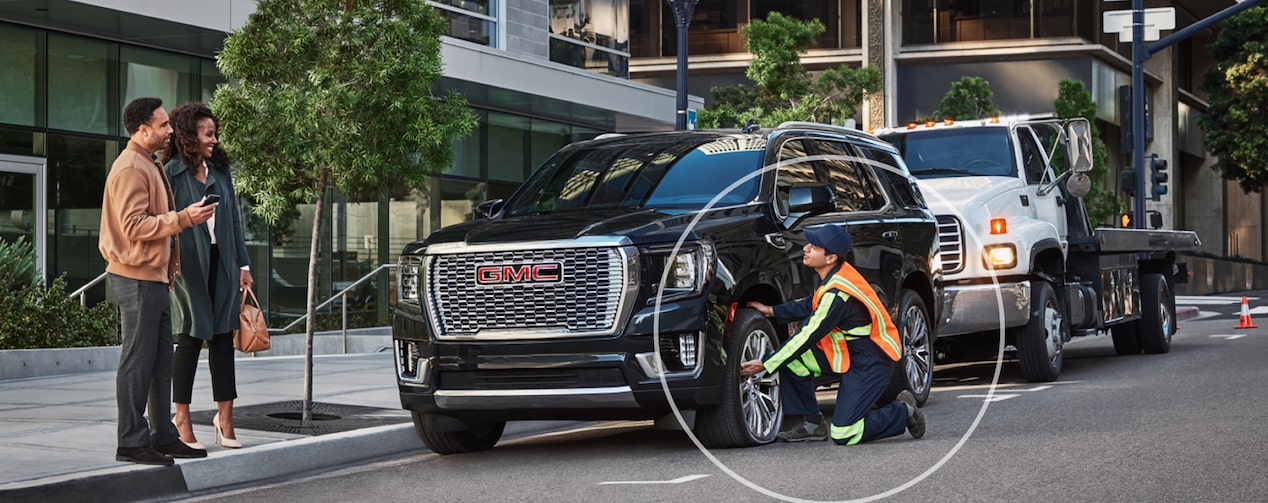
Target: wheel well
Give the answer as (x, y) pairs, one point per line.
(921, 284)
(1049, 263)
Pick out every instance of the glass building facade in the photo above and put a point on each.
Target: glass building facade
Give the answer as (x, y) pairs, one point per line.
(64, 92)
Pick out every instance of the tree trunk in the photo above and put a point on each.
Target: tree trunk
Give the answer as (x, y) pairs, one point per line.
(307, 417)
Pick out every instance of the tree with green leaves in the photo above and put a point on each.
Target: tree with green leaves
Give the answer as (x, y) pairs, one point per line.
(969, 98)
(1074, 100)
(785, 90)
(1237, 86)
(335, 94)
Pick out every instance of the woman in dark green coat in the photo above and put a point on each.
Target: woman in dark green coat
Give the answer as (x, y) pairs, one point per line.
(206, 296)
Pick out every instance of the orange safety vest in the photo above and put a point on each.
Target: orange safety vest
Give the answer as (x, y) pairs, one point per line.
(883, 331)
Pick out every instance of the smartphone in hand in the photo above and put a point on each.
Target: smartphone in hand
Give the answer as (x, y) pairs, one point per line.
(211, 199)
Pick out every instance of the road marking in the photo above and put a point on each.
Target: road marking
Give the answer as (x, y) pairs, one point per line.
(678, 480)
(991, 398)
(1194, 299)
(1232, 337)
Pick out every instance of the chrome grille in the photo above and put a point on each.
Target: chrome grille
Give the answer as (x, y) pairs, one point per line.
(950, 244)
(586, 301)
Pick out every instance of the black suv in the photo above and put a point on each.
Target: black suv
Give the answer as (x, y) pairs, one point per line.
(617, 276)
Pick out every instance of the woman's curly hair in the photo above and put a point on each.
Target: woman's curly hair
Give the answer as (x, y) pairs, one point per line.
(185, 119)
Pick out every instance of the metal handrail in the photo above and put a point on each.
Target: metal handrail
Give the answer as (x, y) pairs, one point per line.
(342, 294)
(82, 292)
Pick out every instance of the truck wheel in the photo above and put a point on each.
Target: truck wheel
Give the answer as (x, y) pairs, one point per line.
(1158, 314)
(481, 437)
(914, 371)
(1039, 342)
(1126, 338)
(750, 410)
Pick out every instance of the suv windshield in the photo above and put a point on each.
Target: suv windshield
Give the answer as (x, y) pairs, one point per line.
(661, 171)
(956, 152)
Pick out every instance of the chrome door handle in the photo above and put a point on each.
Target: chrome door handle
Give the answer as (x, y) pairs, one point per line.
(777, 241)
(890, 235)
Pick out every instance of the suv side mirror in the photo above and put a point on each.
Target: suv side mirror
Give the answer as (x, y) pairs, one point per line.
(808, 199)
(1079, 145)
(488, 208)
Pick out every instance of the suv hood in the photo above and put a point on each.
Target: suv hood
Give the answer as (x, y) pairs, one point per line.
(948, 195)
(640, 226)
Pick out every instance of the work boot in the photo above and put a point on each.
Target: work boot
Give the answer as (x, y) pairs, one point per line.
(804, 432)
(915, 416)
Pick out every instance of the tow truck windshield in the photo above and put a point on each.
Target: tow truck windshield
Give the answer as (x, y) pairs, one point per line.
(939, 153)
(673, 173)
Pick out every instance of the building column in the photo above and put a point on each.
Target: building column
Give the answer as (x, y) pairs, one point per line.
(878, 51)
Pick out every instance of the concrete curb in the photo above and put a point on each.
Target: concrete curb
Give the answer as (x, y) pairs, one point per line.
(1186, 312)
(218, 470)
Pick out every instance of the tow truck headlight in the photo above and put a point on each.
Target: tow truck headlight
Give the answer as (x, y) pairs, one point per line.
(1000, 256)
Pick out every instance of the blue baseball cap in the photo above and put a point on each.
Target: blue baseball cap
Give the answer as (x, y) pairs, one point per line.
(831, 238)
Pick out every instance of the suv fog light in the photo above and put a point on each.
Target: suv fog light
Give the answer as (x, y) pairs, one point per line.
(687, 350)
(411, 367)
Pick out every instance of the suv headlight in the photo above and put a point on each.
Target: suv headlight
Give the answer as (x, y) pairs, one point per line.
(408, 278)
(687, 272)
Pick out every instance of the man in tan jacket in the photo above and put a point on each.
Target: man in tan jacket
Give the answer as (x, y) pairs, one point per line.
(139, 223)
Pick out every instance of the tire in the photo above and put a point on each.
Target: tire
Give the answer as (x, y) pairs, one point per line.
(1158, 314)
(1126, 338)
(914, 371)
(1040, 341)
(750, 410)
(481, 437)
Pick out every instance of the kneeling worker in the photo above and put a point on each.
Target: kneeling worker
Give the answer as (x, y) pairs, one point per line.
(847, 332)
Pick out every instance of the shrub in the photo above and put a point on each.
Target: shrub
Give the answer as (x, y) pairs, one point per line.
(36, 315)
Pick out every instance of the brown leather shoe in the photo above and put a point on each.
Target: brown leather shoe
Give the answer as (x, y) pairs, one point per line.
(143, 456)
(179, 449)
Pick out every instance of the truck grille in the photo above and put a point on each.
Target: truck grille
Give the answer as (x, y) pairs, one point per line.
(585, 299)
(950, 244)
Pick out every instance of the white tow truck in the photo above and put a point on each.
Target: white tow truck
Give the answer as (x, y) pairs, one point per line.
(1022, 265)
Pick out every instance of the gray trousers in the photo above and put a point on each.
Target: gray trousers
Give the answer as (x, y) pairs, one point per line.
(145, 363)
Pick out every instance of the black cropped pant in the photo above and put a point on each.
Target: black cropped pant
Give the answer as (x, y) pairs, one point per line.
(219, 355)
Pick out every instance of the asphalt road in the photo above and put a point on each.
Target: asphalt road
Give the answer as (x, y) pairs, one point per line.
(1184, 426)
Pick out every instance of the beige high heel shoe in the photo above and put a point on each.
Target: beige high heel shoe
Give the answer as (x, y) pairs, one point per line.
(227, 443)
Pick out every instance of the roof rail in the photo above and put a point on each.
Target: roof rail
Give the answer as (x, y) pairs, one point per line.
(605, 136)
(824, 127)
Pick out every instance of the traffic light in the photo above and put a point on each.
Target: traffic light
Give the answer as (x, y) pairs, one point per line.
(1127, 182)
(1125, 220)
(1158, 174)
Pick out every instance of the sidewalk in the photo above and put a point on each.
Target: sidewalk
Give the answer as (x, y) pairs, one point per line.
(58, 434)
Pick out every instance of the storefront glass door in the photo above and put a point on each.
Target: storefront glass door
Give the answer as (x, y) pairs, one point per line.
(23, 204)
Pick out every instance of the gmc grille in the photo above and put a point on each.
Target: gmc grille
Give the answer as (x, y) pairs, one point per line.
(586, 300)
(950, 244)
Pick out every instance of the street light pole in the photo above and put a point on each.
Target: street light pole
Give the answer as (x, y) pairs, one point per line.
(682, 15)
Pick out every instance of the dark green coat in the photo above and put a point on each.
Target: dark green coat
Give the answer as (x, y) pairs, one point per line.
(194, 312)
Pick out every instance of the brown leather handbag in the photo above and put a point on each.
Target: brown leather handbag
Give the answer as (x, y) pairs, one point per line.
(252, 334)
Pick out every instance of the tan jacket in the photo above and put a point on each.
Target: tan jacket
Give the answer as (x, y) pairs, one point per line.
(139, 220)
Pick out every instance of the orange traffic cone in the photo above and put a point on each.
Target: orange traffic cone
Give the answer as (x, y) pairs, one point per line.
(1245, 322)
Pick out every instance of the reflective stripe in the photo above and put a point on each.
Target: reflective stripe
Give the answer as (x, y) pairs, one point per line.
(797, 368)
(812, 363)
(852, 434)
(798, 340)
(894, 348)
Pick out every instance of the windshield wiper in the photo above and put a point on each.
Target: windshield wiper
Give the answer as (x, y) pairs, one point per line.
(944, 171)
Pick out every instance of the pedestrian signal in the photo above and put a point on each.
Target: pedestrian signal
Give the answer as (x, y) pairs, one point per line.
(1125, 220)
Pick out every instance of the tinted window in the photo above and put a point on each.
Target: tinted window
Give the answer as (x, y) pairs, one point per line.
(1031, 155)
(666, 172)
(850, 177)
(795, 167)
(901, 186)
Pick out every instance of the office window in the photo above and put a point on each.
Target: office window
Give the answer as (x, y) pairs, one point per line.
(714, 29)
(826, 11)
(591, 34)
(145, 72)
(79, 78)
(211, 78)
(21, 76)
(77, 169)
(508, 158)
(468, 153)
(470, 20)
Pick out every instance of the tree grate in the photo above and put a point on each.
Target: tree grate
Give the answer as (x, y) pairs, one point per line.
(284, 417)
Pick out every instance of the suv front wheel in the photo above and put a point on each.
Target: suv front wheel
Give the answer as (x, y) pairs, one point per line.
(750, 410)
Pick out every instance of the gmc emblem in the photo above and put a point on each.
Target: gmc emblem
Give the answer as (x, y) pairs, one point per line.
(516, 274)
